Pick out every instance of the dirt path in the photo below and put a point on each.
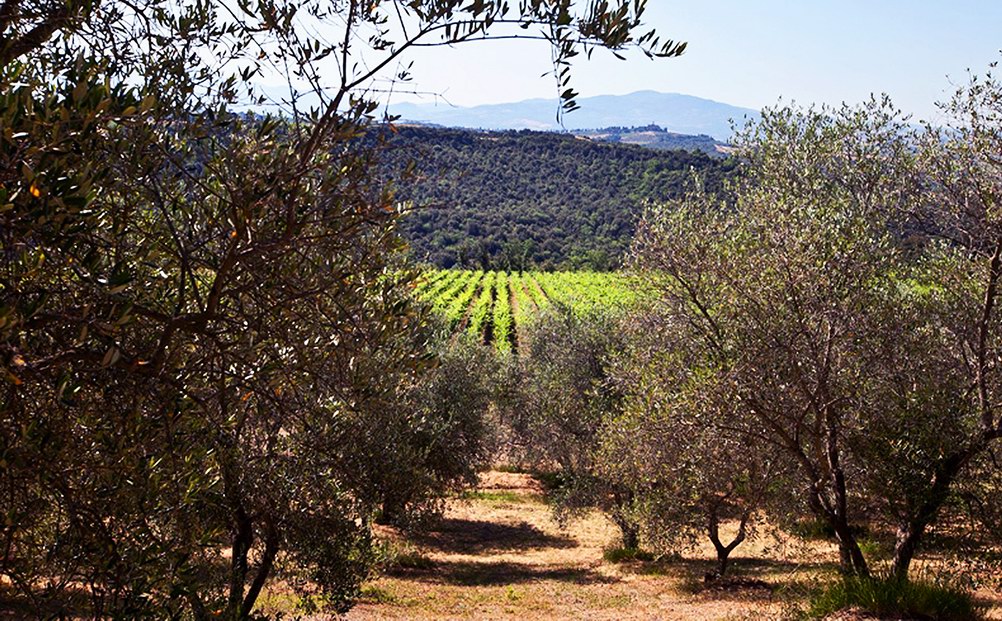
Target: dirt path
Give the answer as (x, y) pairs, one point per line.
(499, 555)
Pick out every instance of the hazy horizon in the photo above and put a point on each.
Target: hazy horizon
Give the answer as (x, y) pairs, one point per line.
(748, 56)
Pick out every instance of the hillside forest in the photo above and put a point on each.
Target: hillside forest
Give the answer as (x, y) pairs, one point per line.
(304, 362)
(520, 200)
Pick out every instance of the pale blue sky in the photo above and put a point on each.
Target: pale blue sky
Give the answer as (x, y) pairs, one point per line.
(752, 52)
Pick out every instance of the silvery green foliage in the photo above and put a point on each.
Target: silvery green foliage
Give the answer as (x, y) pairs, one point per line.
(202, 310)
(775, 290)
(557, 404)
(840, 306)
(674, 445)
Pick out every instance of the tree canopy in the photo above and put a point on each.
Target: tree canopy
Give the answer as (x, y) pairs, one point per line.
(523, 200)
(211, 357)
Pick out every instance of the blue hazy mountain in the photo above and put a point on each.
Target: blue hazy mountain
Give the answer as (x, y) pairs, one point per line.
(683, 114)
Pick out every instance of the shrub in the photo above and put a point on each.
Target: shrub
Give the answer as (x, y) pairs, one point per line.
(396, 555)
(813, 528)
(922, 598)
(625, 555)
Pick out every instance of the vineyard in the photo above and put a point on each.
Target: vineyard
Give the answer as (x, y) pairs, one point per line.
(494, 307)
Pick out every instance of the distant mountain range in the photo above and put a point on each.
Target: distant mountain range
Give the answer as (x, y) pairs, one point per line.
(681, 114)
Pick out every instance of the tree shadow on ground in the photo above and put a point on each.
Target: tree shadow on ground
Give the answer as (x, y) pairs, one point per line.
(747, 567)
(457, 536)
(746, 579)
(471, 573)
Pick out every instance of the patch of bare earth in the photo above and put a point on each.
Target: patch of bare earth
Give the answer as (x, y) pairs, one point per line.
(500, 555)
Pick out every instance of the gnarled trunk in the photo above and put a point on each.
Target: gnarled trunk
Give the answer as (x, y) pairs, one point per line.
(627, 528)
(724, 550)
(629, 532)
(906, 543)
(912, 529)
(243, 539)
(851, 559)
(271, 543)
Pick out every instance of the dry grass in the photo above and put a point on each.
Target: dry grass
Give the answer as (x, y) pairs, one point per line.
(498, 554)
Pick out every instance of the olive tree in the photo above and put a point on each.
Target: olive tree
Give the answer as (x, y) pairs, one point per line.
(777, 288)
(444, 437)
(558, 405)
(676, 445)
(950, 379)
(185, 361)
(201, 310)
(845, 300)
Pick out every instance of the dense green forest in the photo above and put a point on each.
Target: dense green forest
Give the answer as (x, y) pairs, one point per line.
(510, 200)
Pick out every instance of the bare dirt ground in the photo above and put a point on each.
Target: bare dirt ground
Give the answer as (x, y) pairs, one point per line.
(499, 554)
